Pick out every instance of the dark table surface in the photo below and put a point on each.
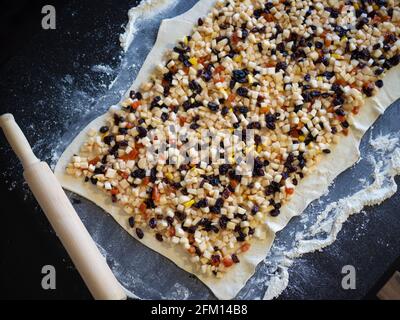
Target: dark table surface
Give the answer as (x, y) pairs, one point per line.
(47, 81)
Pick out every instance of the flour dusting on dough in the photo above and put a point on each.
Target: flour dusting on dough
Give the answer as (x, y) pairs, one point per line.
(146, 9)
(324, 231)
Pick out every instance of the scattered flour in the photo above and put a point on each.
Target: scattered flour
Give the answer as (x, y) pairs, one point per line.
(102, 69)
(323, 232)
(145, 10)
(114, 265)
(278, 282)
(386, 142)
(178, 292)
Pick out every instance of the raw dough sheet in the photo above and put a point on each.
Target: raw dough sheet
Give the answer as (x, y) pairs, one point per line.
(343, 156)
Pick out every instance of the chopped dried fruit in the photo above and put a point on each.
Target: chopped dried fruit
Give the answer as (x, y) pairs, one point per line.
(282, 78)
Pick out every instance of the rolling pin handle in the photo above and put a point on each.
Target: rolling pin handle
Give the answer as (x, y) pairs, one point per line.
(63, 217)
(17, 140)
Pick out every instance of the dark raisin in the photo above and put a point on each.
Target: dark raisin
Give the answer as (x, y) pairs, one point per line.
(131, 221)
(236, 125)
(341, 32)
(153, 174)
(394, 61)
(376, 46)
(328, 74)
(142, 132)
(108, 139)
(139, 233)
(362, 22)
(192, 229)
(254, 209)
(240, 76)
(152, 223)
(390, 38)
(271, 125)
(254, 125)
(224, 111)
(338, 101)
(241, 237)
(224, 168)
(379, 83)
(378, 71)
(164, 116)
(219, 202)
(257, 139)
(223, 221)
(104, 129)
(194, 126)
(258, 172)
(333, 12)
(280, 47)
(213, 106)
(132, 94)
(368, 90)
(100, 170)
(245, 34)
(215, 209)
(207, 73)
(235, 258)
(226, 193)
(118, 119)
(280, 66)
(386, 47)
(150, 203)
(139, 173)
(243, 110)
(325, 61)
(180, 215)
(195, 86)
(201, 203)
(340, 112)
(159, 237)
(257, 13)
(242, 91)
(215, 259)
(274, 212)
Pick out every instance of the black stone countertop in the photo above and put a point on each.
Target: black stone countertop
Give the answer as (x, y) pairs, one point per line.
(54, 82)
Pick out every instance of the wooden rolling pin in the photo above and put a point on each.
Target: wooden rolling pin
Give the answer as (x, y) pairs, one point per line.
(65, 221)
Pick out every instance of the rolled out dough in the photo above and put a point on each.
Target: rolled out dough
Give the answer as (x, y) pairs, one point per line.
(343, 156)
